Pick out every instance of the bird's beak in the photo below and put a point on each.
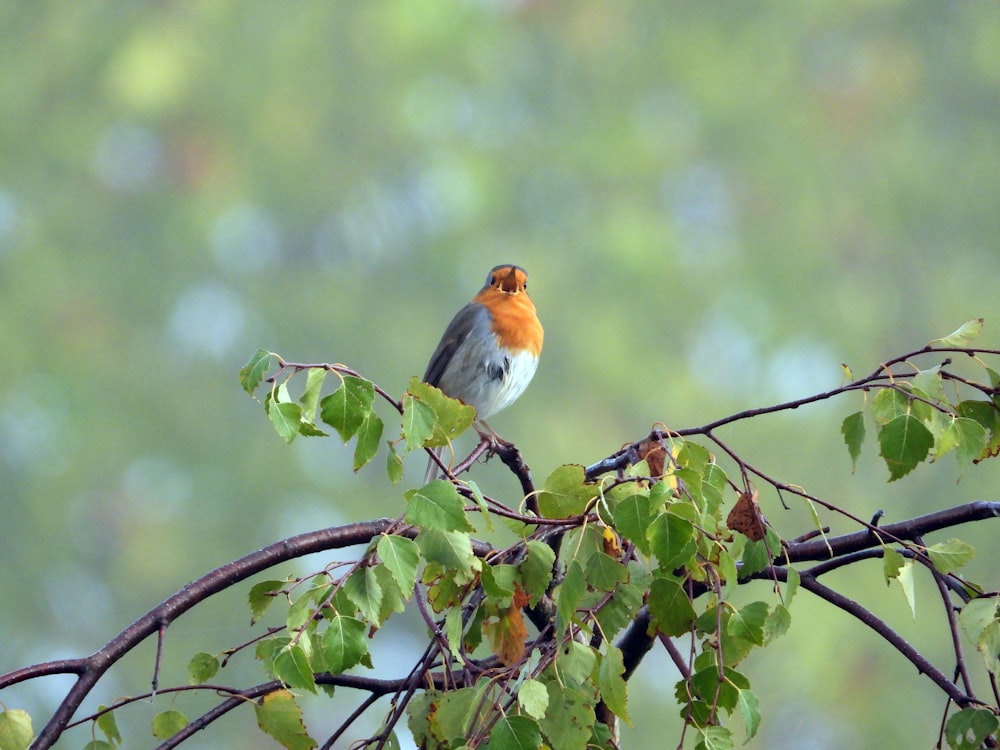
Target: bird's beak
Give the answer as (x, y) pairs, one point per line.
(509, 283)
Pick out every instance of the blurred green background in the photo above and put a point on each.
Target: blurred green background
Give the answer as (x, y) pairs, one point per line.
(717, 203)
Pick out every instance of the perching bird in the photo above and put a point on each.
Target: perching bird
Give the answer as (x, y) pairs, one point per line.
(489, 351)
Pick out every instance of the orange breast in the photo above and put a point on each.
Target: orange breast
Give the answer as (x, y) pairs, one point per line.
(514, 321)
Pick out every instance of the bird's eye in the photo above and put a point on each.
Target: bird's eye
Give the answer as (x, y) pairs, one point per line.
(525, 284)
(493, 279)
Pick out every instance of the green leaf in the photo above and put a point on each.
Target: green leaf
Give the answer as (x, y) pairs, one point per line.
(951, 555)
(791, 586)
(569, 726)
(930, 383)
(777, 623)
(202, 668)
(15, 729)
(961, 337)
(905, 442)
(707, 685)
(625, 602)
(437, 505)
(452, 550)
(966, 729)
(300, 612)
(362, 587)
(565, 493)
(888, 404)
(393, 464)
(575, 663)
(970, 439)
(715, 738)
(453, 714)
(670, 607)
(758, 555)
(536, 569)
(905, 579)
(291, 666)
(498, 582)
(748, 622)
(515, 733)
(401, 557)
(533, 698)
(369, 436)
(168, 723)
(853, 429)
(286, 416)
(451, 416)
(480, 500)
(279, 716)
(976, 615)
(750, 710)
(988, 646)
(348, 407)
(310, 396)
(418, 423)
(308, 429)
(92, 745)
(604, 573)
(393, 600)
(892, 561)
(260, 597)
(610, 680)
(252, 373)
(569, 596)
(631, 519)
(453, 627)
(344, 643)
(671, 540)
(107, 723)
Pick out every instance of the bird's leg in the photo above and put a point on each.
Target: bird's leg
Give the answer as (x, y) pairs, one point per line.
(489, 436)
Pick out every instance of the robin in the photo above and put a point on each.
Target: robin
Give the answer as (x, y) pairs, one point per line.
(489, 351)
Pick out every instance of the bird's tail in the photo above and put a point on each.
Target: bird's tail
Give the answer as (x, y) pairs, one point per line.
(433, 470)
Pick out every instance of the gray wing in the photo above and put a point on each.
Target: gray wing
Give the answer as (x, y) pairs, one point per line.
(465, 321)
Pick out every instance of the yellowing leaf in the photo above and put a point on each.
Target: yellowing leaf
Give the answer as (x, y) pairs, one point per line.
(15, 729)
(962, 336)
(951, 555)
(533, 698)
(279, 716)
(168, 723)
(507, 632)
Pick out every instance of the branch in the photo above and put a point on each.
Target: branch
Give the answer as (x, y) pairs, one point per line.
(635, 641)
(92, 668)
(882, 374)
(865, 616)
(821, 549)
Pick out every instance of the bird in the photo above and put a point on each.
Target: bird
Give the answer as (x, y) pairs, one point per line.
(489, 351)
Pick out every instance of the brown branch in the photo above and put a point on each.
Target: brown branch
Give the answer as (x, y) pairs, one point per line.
(92, 668)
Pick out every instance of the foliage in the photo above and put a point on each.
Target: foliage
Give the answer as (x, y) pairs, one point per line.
(531, 643)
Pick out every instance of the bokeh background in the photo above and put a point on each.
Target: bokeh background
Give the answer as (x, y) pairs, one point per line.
(718, 203)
